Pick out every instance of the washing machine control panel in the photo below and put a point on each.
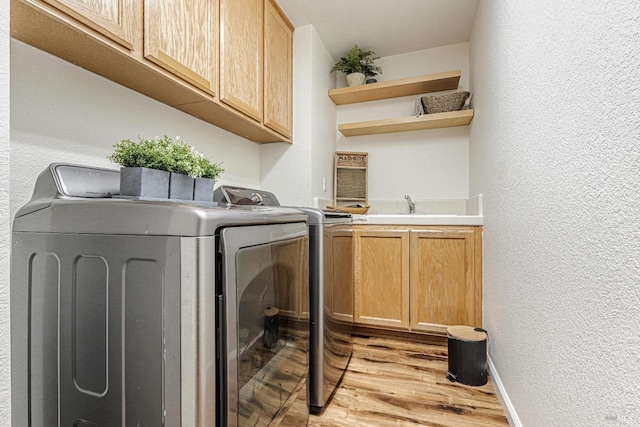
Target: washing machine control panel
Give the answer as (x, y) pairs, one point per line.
(244, 196)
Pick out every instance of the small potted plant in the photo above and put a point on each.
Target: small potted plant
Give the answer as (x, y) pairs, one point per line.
(164, 168)
(358, 64)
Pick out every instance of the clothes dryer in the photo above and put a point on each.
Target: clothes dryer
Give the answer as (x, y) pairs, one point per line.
(330, 290)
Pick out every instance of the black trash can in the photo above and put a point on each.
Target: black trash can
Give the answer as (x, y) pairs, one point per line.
(467, 355)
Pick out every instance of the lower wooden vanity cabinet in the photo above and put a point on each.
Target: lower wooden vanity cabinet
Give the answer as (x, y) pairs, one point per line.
(445, 278)
(417, 278)
(381, 276)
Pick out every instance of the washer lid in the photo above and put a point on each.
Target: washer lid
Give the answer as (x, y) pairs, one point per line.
(54, 208)
(83, 181)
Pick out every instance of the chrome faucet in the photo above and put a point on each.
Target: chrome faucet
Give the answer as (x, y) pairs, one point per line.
(412, 206)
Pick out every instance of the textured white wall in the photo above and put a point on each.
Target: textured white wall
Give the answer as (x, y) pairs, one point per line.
(5, 219)
(427, 164)
(555, 150)
(294, 172)
(323, 121)
(62, 113)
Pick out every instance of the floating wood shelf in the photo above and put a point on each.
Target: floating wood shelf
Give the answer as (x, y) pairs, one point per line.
(427, 83)
(426, 121)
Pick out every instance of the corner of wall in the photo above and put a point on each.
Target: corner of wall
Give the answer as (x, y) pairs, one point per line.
(324, 141)
(5, 218)
(280, 162)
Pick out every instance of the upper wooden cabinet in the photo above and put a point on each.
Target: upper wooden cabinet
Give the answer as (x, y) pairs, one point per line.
(241, 52)
(181, 36)
(115, 19)
(203, 57)
(278, 70)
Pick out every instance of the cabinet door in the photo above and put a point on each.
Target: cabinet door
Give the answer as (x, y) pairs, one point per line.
(342, 275)
(180, 36)
(112, 18)
(381, 277)
(241, 55)
(443, 279)
(278, 71)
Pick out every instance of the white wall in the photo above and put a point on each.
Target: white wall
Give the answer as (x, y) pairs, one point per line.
(284, 169)
(323, 121)
(426, 164)
(62, 113)
(5, 219)
(555, 149)
(295, 172)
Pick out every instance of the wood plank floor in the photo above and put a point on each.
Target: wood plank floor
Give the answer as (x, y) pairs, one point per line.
(398, 383)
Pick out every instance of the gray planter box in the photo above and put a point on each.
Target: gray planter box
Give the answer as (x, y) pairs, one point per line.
(181, 187)
(144, 182)
(203, 190)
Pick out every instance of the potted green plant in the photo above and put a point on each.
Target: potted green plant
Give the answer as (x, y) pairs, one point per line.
(358, 64)
(164, 168)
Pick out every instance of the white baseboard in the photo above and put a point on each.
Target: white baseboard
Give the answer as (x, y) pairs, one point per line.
(509, 410)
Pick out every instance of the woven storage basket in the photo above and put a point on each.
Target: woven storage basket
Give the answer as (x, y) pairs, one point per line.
(443, 103)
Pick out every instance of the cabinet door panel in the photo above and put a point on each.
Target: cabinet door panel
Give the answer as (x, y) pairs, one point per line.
(112, 18)
(278, 72)
(342, 276)
(241, 54)
(382, 278)
(442, 279)
(180, 36)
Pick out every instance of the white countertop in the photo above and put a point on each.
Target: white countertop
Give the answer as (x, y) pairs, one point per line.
(428, 212)
(418, 219)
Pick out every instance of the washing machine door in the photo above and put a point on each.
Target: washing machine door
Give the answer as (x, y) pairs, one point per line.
(264, 320)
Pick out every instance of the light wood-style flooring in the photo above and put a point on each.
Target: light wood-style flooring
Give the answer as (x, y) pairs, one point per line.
(393, 382)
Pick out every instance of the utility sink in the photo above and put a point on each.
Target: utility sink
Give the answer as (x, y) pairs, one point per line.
(440, 212)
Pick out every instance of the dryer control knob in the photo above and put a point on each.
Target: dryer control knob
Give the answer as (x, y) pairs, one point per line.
(256, 198)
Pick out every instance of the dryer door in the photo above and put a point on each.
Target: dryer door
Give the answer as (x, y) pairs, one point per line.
(265, 320)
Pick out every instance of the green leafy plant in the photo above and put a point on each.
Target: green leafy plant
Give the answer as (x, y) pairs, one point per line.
(164, 154)
(358, 61)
